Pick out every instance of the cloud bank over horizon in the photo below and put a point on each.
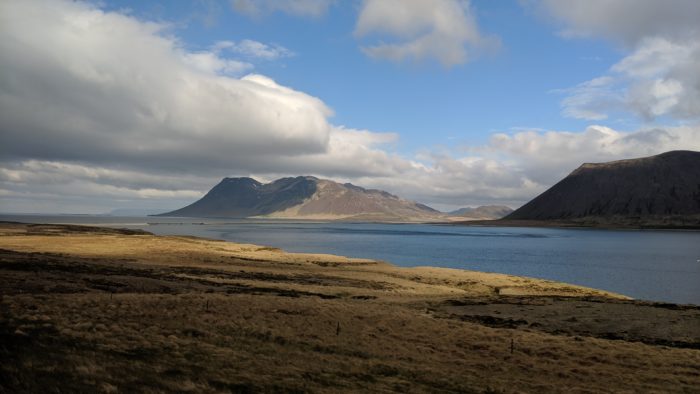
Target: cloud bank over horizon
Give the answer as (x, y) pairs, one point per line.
(91, 120)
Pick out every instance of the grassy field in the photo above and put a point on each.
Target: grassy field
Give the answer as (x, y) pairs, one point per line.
(98, 310)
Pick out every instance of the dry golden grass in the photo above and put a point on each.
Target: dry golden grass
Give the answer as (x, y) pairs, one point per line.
(172, 251)
(87, 311)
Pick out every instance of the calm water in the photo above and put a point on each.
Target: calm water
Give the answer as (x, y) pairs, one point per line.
(652, 265)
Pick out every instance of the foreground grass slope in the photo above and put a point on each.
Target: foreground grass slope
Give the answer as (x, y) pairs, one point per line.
(98, 310)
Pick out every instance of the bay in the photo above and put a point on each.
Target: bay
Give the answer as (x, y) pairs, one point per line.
(649, 264)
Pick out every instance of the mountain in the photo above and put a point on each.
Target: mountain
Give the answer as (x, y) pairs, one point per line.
(662, 189)
(304, 197)
(133, 212)
(484, 212)
(244, 197)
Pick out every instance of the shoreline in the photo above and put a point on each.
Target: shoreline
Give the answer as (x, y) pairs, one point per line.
(104, 310)
(593, 225)
(585, 223)
(144, 227)
(498, 282)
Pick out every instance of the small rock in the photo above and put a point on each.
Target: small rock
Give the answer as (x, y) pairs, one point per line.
(21, 333)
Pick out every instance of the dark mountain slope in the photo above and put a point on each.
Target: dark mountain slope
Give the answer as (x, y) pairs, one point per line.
(650, 188)
(243, 197)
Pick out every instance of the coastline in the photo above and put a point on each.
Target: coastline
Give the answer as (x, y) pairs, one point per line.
(595, 223)
(222, 317)
(178, 248)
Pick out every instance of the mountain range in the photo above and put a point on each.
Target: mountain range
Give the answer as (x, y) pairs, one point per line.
(655, 191)
(308, 197)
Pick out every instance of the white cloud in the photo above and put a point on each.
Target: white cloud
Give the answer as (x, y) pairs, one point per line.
(592, 100)
(36, 186)
(254, 49)
(445, 30)
(210, 62)
(625, 21)
(664, 78)
(207, 12)
(547, 156)
(45, 173)
(306, 8)
(72, 89)
(658, 77)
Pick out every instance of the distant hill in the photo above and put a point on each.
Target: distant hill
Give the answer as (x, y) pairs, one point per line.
(484, 212)
(304, 197)
(656, 190)
(133, 212)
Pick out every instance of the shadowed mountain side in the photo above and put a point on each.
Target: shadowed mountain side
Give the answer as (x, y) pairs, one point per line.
(304, 198)
(244, 197)
(656, 189)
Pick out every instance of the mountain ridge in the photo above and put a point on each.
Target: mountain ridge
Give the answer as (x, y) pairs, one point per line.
(482, 212)
(304, 197)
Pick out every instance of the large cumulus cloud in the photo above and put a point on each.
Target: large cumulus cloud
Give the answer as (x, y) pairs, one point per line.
(82, 84)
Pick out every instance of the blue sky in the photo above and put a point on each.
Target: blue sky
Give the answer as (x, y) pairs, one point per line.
(129, 104)
(427, 103)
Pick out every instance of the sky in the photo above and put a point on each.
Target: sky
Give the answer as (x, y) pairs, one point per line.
(452, 103)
